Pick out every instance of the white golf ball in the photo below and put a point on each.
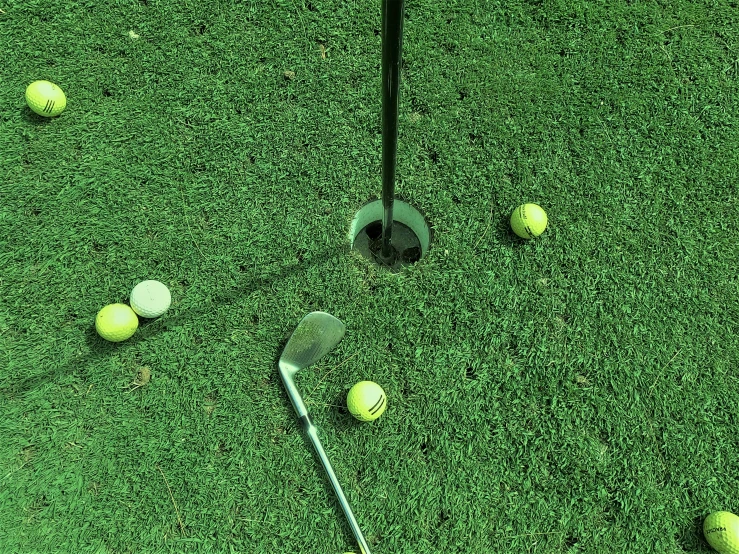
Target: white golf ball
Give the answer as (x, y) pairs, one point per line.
(150, 299)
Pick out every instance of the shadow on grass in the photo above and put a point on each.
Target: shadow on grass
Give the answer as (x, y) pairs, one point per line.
(503, 238)
(100, 348)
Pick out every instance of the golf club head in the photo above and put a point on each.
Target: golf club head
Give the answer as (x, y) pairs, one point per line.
(314, 337)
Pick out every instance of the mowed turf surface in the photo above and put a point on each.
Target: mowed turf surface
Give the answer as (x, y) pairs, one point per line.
(573, 394)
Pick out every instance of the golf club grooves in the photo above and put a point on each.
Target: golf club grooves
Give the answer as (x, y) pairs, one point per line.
(392, 50)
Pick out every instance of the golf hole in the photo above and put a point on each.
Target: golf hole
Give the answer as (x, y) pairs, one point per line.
(411, 235)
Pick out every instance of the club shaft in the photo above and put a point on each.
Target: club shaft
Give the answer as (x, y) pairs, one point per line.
(313, 434)
(294, 395)
(392, 52)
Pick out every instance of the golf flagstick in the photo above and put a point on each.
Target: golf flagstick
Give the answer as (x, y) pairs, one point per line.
(393, 12)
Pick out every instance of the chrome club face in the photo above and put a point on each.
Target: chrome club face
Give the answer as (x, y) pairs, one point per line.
(316, 335)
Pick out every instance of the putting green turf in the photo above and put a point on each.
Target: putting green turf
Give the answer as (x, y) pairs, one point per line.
(572, 394)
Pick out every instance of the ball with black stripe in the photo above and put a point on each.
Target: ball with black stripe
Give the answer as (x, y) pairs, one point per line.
(529, 221)
(366, 401)
(45, 98)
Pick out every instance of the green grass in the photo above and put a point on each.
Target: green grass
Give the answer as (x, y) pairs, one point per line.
(573, 394)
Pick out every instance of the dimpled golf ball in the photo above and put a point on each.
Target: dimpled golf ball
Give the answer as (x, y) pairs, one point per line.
(528, 221)
(721, 530)
(150, 299)
(366, 401)
(116, 322)
(45, 98)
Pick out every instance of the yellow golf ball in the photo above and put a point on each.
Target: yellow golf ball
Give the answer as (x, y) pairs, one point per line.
(116, 322)
(721, 530)
(366, 401)
(45, 98)
(528, 221)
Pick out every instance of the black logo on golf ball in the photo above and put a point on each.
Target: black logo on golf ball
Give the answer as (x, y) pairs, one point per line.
(378, 405)
(49, 107)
